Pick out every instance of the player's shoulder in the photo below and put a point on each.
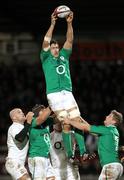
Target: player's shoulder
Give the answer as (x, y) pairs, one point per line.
(16, 124)
(43, 51)
(65, 52)
(55, 135)
(15, 127)
(52, 133)
(12, 126)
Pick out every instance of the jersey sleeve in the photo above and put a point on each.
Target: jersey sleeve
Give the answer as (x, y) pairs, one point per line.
(66, 52)
(99, 130)
(44, 55)
(34, 123)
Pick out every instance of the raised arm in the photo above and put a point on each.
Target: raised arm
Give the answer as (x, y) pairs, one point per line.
(69, 35)
(48, 35)
(23, 133)
(43, 115)
(83, 125)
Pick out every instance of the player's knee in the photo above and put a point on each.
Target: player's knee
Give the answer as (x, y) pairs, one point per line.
(51, 178)
(25, 177)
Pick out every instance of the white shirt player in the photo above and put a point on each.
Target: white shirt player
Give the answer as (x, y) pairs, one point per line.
(16, 150)
(64, 169)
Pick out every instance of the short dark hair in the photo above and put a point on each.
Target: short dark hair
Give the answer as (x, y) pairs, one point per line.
(37, 108)
(117, 116)
(53, 41)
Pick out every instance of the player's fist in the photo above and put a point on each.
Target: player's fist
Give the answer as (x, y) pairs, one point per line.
(29, 117)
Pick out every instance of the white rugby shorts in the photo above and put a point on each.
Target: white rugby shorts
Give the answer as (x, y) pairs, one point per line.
(111, 171)
(15, 169)
(40, 167)
(67, 173)
(63, 100)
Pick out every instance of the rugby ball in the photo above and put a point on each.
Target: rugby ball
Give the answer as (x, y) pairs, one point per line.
(62, 11)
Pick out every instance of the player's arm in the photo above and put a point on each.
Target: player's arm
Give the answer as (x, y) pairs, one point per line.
(83, 125)
(23, 133)
(54, 117)
(69, 35)
(48, 35)
(43, 115)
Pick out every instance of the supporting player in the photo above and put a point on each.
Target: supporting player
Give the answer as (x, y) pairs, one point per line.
(108, 143)
(39, 148)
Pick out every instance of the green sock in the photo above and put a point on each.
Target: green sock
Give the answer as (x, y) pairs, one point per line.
(80, 140)
(67, 143)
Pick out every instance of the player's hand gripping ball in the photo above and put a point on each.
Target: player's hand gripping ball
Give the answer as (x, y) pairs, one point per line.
(62, 11)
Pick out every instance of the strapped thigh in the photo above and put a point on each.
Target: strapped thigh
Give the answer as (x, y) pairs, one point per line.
(61, 115)
(73, 112)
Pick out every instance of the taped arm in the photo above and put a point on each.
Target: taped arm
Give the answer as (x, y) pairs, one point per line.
(49, 33)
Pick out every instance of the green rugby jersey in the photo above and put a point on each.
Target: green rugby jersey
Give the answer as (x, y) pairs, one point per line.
(39, 139)
(56, 70)
(108, 142)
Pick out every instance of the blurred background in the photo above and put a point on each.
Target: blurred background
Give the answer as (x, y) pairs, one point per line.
(97, 63)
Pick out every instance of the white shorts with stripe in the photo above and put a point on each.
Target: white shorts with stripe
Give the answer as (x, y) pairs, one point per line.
(67, 174)
(40, 168)
(111, 171)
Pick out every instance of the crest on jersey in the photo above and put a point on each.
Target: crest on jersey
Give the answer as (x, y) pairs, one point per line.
(62, 58)
(60, 69)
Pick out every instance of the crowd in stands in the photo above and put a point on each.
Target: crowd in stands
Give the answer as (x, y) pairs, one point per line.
(98, 87)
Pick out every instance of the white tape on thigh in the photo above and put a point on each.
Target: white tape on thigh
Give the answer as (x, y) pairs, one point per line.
(62, 115)
(74, 113)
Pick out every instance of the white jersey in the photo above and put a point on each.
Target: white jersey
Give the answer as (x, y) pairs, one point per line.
(64, 169)
(16, 150)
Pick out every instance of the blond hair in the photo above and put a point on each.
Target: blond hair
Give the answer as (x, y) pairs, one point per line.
(117, 116)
